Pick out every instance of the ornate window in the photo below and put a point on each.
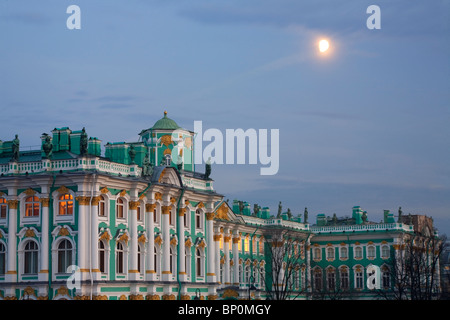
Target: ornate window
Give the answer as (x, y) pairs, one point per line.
(317, 254)
(102, 207)
(385, 252)
(2, 258)
(371, 252)
(344, 253)
(330, 253)
(64, 255)
(102, 262)
(331, 279)
(120, 209)
(31, 255)
(358, 253)
(359, 278)
(65, 205)
(120, 258)
(3, 208)
(318, 279)
(198, 219)
(344, 278)
(199, 263)
(32, 206)
(385, 278)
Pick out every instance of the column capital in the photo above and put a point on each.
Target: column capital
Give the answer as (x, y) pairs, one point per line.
(181, 212)
(12, 204)
(149, 207)
(209, 215)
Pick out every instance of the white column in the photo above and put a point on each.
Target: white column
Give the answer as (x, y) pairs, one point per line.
(182, 252)
(217, 237)
(150, 273)
(226, 252)
(133, 273)
(165, 273)
(11, 271)
(236, 239)
(83, 234)
(210, 275)
(94, 238)
(43, 273)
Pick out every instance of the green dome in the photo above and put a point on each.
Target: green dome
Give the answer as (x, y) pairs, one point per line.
(165, 123)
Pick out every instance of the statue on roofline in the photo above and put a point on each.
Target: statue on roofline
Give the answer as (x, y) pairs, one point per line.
(15, 149)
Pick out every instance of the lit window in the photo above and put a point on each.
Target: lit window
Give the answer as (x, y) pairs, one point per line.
(3, 208)
(65, 204)
(247, 244)
(32, 206)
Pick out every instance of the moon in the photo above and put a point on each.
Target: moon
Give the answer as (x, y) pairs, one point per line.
(323, 45)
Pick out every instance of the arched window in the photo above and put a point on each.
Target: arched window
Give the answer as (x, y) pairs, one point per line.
(65, 204)
(3, 208)
(120, 258)
(359, 278)
(247, 244)
(371, 252)
(331, 279)
(318, 280)
(32, 206)
(198, 263)
(247, 275)
(102, 207)
(358, 253)
(344, 278)
(317, 254)
(2, 258)
(156, 260)
(102, 256)
(385, 252)
(140, 261)
(31, 254)
(385, 278)
(120, 213)
(330, 253)
(64, 255)
(344, 253)
(198, 219)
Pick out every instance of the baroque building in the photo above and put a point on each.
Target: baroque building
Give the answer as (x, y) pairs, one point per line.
(138, 222)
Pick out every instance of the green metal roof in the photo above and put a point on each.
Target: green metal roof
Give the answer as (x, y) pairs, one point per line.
(165, 123)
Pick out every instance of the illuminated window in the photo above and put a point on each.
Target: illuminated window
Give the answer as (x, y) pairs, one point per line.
(65, 204)
(3, 208)
(32, 206)
(247, 244)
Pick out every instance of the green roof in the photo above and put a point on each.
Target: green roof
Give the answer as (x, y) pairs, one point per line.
(165, 123)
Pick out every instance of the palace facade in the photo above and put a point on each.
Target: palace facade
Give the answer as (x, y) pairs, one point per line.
(138, 222)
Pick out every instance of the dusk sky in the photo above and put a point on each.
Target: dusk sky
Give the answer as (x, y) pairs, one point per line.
(367, 123)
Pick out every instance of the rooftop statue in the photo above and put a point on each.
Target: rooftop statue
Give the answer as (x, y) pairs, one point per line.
(83, 142)
(15, 148)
